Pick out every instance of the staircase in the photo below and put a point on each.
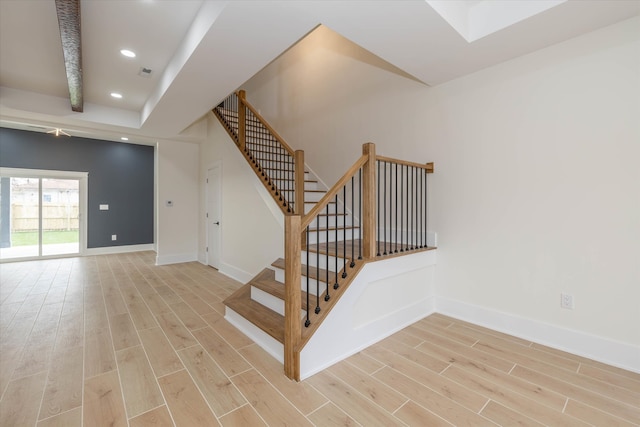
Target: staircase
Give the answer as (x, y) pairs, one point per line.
(329, 233)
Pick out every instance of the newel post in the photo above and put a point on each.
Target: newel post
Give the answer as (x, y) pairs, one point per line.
(242, 120)
(299, 182)
(298, 159)
(369, 201)
(293, 295)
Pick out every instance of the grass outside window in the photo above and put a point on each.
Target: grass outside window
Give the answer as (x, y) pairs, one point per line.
(30, 238)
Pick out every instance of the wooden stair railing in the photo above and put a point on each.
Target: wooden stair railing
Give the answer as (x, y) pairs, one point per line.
(280, 168)
(377, 209)
(372, 183)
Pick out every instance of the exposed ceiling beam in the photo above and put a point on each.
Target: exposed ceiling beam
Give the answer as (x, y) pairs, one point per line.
(69, 22)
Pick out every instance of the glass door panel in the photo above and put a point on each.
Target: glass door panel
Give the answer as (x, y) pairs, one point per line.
(19, 217)
(60, 216)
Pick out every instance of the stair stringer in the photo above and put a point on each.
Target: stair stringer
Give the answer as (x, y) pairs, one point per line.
(385, 297)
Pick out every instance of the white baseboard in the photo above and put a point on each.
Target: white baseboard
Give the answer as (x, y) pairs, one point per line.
(364, 337)
(176, 258)
(202, 258)
(119, 249)
(235, 273)
(615, 353)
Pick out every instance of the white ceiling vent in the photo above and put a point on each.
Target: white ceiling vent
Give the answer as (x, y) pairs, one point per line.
(145, 72)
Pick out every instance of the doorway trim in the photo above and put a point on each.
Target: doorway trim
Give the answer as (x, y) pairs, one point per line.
(218, 249)
(82, 177)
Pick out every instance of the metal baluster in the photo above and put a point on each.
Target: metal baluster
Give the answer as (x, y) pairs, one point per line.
(337, 252)
(384, 207)
(282, 171)
(407, 218)
(396, 233)
(419, 193)
(326, 261)
(317, 264)
(266, 138)
(307, 322)
(390, 208)
(353, 225)
(360, 212)
(426, 210)
(378, 199)
(422, 210)
(412, 198)
(344, 234)
(289, 183)
(401, 208)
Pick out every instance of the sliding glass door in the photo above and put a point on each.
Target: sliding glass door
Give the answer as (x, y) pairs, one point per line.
(41, 213)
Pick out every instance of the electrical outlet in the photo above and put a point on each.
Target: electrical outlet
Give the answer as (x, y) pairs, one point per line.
(114, 237)
(566, 301)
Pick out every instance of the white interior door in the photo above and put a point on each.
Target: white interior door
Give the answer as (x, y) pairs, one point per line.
(214, 198)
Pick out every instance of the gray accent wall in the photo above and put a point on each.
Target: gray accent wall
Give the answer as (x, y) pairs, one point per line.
(120, 175)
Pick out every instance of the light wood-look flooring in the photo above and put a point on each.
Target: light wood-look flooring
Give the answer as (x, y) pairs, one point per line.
(116, 341)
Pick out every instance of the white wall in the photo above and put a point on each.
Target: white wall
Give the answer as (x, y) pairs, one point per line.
(536, 188)
(251, 224)
(177, 177)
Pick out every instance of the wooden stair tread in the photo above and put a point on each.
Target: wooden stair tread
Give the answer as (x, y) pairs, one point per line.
(264, 318)
(266, 281)
(313, 272)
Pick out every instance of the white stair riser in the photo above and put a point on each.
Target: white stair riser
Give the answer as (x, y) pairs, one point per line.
(314, 196)
(271, 302)
(268, 343)
(340, 219)
(309, 205)
(313, 285)
(321, 259)
(307, 185)
(343, 234)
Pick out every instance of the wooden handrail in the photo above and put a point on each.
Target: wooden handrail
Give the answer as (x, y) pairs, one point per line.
(308, 218)
(427, 166)
(266, 124)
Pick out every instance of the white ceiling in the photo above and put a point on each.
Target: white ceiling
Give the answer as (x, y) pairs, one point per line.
(200, 51)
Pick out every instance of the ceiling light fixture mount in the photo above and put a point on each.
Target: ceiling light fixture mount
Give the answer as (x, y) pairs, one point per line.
(145, 72)
(58, 132)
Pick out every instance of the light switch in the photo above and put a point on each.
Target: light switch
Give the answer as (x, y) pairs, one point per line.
(104, 207)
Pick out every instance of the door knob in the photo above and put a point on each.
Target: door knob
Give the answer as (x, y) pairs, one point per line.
(217, 223)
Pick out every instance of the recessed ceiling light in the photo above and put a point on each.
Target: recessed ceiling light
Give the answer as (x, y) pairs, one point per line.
(124, 138)
(116, 95)
(128, 53)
